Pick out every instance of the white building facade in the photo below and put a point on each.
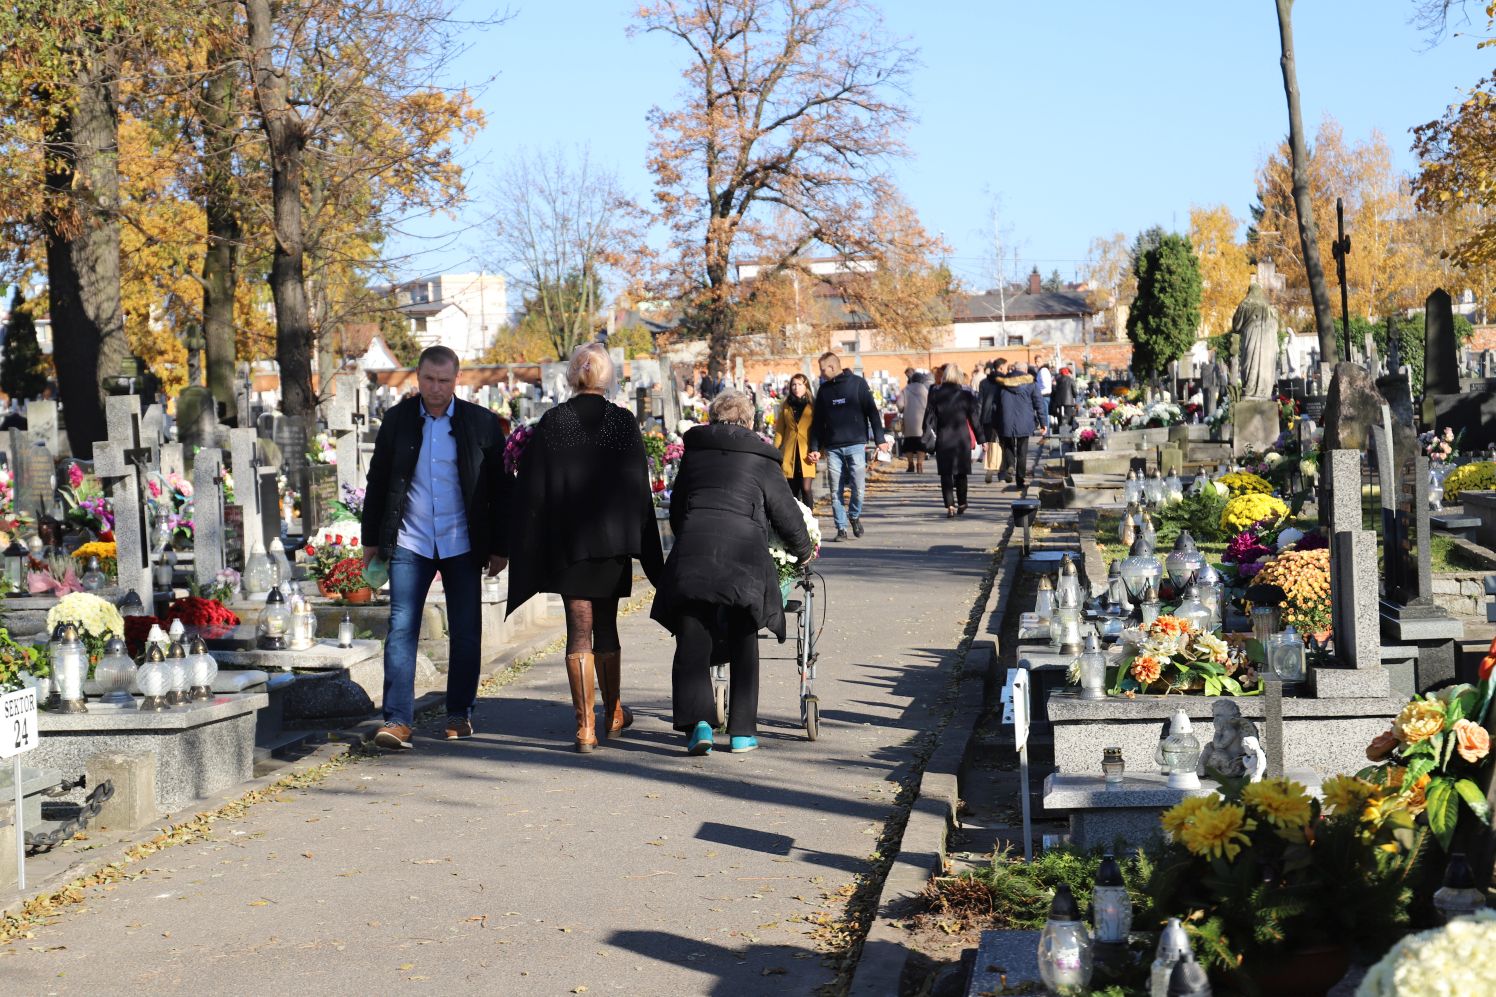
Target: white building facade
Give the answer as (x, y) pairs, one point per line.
(462, 311)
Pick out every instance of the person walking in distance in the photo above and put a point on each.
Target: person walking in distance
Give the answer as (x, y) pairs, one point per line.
(435, 501)
(1062, 398)
(987, 394)
(952, 418)
(792, 438)
(911, 403)
(1017, 418)
(583, 511)
(846, 417)
(1044, 378)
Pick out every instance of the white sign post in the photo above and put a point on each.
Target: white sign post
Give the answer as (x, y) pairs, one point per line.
(18, 735)
(1020, 737)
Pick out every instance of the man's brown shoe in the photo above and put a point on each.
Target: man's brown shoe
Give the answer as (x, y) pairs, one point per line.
(459, 728)
(393, 736)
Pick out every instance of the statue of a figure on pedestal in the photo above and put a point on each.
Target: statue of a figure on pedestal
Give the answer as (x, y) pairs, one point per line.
(1223, 754)
(1254, 329)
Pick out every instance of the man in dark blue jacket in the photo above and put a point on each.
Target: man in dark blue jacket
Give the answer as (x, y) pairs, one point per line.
(845, 418)
(1016, 416)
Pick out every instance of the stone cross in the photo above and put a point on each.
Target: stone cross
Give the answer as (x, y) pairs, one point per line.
(1373, 362)
(171, 460)
(260, 523)
(208, 534)
(347, 416)
(119, 462)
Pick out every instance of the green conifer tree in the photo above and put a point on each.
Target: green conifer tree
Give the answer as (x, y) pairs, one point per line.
(23, 369)
(1166, 313)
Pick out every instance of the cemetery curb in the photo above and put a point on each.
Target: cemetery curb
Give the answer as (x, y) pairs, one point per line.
(922, 848)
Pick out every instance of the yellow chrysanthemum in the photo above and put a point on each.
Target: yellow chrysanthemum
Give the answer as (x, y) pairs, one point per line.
(1178, 817)
(1280, 802)
(1244, 510)
(1218, 832)
(1246, 483)
(1345, 794)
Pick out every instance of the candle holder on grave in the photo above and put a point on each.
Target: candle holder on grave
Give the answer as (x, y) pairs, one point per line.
(272, 630)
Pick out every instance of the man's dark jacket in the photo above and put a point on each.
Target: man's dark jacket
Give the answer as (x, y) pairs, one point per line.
(845, 413)
(1018, 408)
(480, 470)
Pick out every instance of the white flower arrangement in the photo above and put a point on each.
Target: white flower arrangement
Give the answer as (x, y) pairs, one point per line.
(1453, 959)
(785, 561)
(93, 615)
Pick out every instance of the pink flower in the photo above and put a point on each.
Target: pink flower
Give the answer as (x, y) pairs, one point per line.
(75, 475)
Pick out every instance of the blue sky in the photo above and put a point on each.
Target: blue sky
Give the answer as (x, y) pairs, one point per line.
(1079, 119)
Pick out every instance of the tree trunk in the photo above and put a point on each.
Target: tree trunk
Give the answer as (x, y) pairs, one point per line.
(1324, 321)
(220, 116)
(286, 136)
(83, 247)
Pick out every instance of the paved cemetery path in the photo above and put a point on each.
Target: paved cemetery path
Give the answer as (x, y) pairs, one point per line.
(509, 864)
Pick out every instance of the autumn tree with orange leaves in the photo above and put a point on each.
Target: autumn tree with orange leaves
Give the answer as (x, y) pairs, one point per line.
(790, 108)
(1224, 271)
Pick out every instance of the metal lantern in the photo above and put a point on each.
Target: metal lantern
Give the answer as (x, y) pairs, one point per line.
(1111, 907)
(1188, 978)
(114, 673)
(176, 664)
(69, 668)
(1044, 601)
(1185, 562)
(272, 629)
(1285, 655)
(1179, 752)
(1194, 611)
(1173, 943)
(1458, 897)
(93, 576)
(131, 605)
(202, 669)
(1065, 946)
(15, 564)
(154, 681)
(1092, 662)
(1113, 766)
(257, 577)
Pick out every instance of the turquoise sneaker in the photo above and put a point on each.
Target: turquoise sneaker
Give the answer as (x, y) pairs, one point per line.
(700, 742)
(742, 744)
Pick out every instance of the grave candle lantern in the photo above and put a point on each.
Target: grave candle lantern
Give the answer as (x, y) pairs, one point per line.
(1113, 766)
(1044, 601)
(154, 681)
(1458, 897)
(1146, 531)
(1138, 569)
(1064, 946)
(1111, 907)
(1211, 592)
(1173, 488)
(1092, 663)
(1068, 581)
(176, 664)
(93, 577)
(274, 623)
(131, 604)
(1194, 611)
(1132, 489)
(1179, 753)
(1153, 489)
(69, 665)
(1188, 978)
(1065, 631)
(257, 577)
(1116, 590)
(1285, 655)
(15, 564)
(1172, 944)
(1185, 562)
(1150, 606)
(202, 669)
(114, 673)
(345, 629)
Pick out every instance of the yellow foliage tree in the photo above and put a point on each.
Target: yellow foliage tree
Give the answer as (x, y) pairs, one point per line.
(1111, 284)
(1224, 270)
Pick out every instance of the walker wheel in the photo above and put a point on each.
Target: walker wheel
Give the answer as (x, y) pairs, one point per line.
(719, 698)
(811, 707)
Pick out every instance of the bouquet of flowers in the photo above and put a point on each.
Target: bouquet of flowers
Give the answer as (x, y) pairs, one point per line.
(7, 493)
(322, 450)
(1433, 755)
(1438, 961)
(16, 661)
(1439, 447)
(514, 447)
(1477, 477)
(106, 551)
(351, 507)
(223, 586)
(345, 577)
(1304, 576)
(96, 619)
(784, 561)
(204, 615)
(55, 575)
(1087, 438)
(1173, 655)
(330, 554)
(1252, 507)
(85, 504)
(169, 498)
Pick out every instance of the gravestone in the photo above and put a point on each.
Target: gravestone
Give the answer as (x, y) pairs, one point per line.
(260, 521)
(171, 460)
(153, 425)
(1209, 389)
(1352, 408)
(34, 487)
(346, 418)
(1441, 370)
(1354, 606)
(197, 418)
(41, 421)
(119, 462)
(209, 537)
(1472, 413)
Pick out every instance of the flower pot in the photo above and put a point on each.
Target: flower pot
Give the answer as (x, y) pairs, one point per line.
(327, 592)
(359, 596)
(1305, 972)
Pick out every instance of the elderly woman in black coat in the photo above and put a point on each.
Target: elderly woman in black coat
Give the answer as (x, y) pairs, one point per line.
(952, 418)
(583, 513)
(720, 584)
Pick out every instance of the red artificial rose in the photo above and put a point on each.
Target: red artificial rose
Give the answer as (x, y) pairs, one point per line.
(338, 539)
(353, 542)
(311, 551)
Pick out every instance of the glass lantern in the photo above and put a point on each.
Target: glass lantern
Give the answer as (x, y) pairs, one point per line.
(1092, 663)
(1044, 601)
(1127, 529)
(1459, 896)
(281, 565)
(154, 681)
(1150, 606)
(1185, 562)
(1065, 946)
(1067, 581)
(1153, 489)
(131, 605)
(1285, 655)
(1064, 629)
(202, 669)
(176, 631)
(257, 577)
(1195, 611)
(345, 629)
(115, 672)
(1113, 766)
(1188, 978)
(302, 634)
(176, 666)
(1212, 593)
(93, 576)
(15, 564)
(1146, 531)
(1264, 624)
(163, 574)
(1111, 907)
(1173, 488)
(1132, 489)
(1139, 568)
(69, 668)
(273, 628)
(1116, 591)
(1173, 943)
(1179, 753)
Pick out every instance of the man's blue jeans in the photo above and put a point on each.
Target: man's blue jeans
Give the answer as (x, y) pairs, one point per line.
(410, 580)
(847, 467)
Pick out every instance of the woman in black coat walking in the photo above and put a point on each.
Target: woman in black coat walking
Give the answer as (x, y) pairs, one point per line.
(583, 512)
(720, 584)
(952, 417)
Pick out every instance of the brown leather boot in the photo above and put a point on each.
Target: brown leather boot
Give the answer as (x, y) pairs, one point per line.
(616, 716)
(579, 668)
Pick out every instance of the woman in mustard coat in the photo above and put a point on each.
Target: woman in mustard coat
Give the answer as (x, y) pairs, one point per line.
(792, 438)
